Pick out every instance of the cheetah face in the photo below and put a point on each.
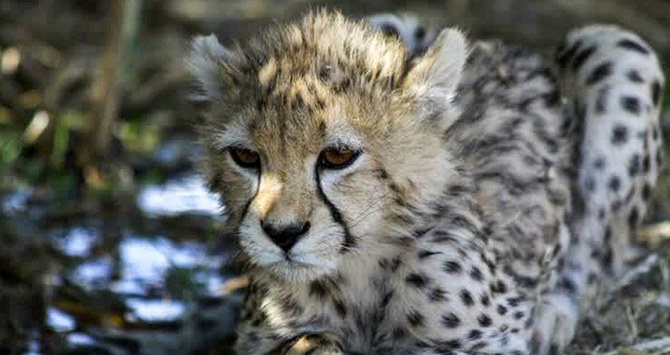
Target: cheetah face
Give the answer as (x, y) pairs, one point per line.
(320, 140)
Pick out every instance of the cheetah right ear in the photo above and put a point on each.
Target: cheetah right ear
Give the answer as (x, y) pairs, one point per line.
(437, 73)
(211, 66)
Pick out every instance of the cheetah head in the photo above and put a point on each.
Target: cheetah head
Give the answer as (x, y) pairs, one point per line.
(323, 142)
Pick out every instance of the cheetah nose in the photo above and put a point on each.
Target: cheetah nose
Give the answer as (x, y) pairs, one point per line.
(285, 236)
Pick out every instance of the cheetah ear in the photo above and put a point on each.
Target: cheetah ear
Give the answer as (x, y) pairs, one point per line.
(210, 65)
(437, 73)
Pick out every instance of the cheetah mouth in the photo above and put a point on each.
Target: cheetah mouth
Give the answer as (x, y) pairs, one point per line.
(297, 268)
(289, 268)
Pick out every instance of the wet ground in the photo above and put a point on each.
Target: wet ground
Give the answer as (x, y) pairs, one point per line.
(141, 266)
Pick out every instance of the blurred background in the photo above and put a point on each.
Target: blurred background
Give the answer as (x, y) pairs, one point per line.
(109, 242)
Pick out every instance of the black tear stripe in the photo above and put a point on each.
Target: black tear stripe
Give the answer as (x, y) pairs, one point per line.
(349, 241)
(246, 207)
(601, 72)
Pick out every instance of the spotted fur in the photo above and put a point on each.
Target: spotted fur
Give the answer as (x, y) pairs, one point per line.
(612, 80)
(458, 227)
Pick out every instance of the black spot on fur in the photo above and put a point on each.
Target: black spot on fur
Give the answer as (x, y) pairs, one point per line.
(615, 183)
(451, 320)
(619, 135)
(451, 267)
(395, 263)
(389, 30)
(567, 285)
(564, 57)
(646, 164)
(582, 56)
(466, 297)
(499, 287)
(453, 344)
(418, 234)
(634, 165)
(415, 318)
(417, 280)
(437, 295)
(646, 191)
(423, 254)
(484, 320)
(387, 298)
(632, 45)
(419, 33)
(318, 289)
(443, 237)
(656, 92)
(633, 218)
(340, 308)
(502, 310)
(476, 274)
(526, 281)
(325, 73)
(475, 334)
(514, 301)
(634, 76)
(599, 163)
(485, 299)
(631, 104)
(381, 173)
(599, 73)
(399, 333)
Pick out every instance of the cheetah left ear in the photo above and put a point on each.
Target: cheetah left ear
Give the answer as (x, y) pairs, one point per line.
(211, 65)
(437, 73)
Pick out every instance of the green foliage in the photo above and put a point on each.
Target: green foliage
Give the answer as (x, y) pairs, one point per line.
(10, 146)
(137, 137)
(60, 144)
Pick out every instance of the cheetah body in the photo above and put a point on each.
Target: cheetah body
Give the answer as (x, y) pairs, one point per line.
(466, 226)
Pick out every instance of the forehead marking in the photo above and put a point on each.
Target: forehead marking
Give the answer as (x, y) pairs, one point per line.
(268, 73)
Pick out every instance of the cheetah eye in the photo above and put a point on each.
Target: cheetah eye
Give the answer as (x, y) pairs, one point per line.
(245, 158)
(336, 159)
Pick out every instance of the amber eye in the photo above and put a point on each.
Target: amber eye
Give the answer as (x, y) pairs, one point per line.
(337, 158)
(245, 158)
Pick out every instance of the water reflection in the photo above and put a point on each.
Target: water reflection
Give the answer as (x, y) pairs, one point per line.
(59, 321)
(179, 196)
(156, 310)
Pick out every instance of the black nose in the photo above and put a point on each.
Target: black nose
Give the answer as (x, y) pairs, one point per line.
(285, 236)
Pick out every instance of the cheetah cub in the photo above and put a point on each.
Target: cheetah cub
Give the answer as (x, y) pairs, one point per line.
(440, 205)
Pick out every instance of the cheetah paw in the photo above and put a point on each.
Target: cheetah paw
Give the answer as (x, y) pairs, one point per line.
(554, 325)
(314, 344)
